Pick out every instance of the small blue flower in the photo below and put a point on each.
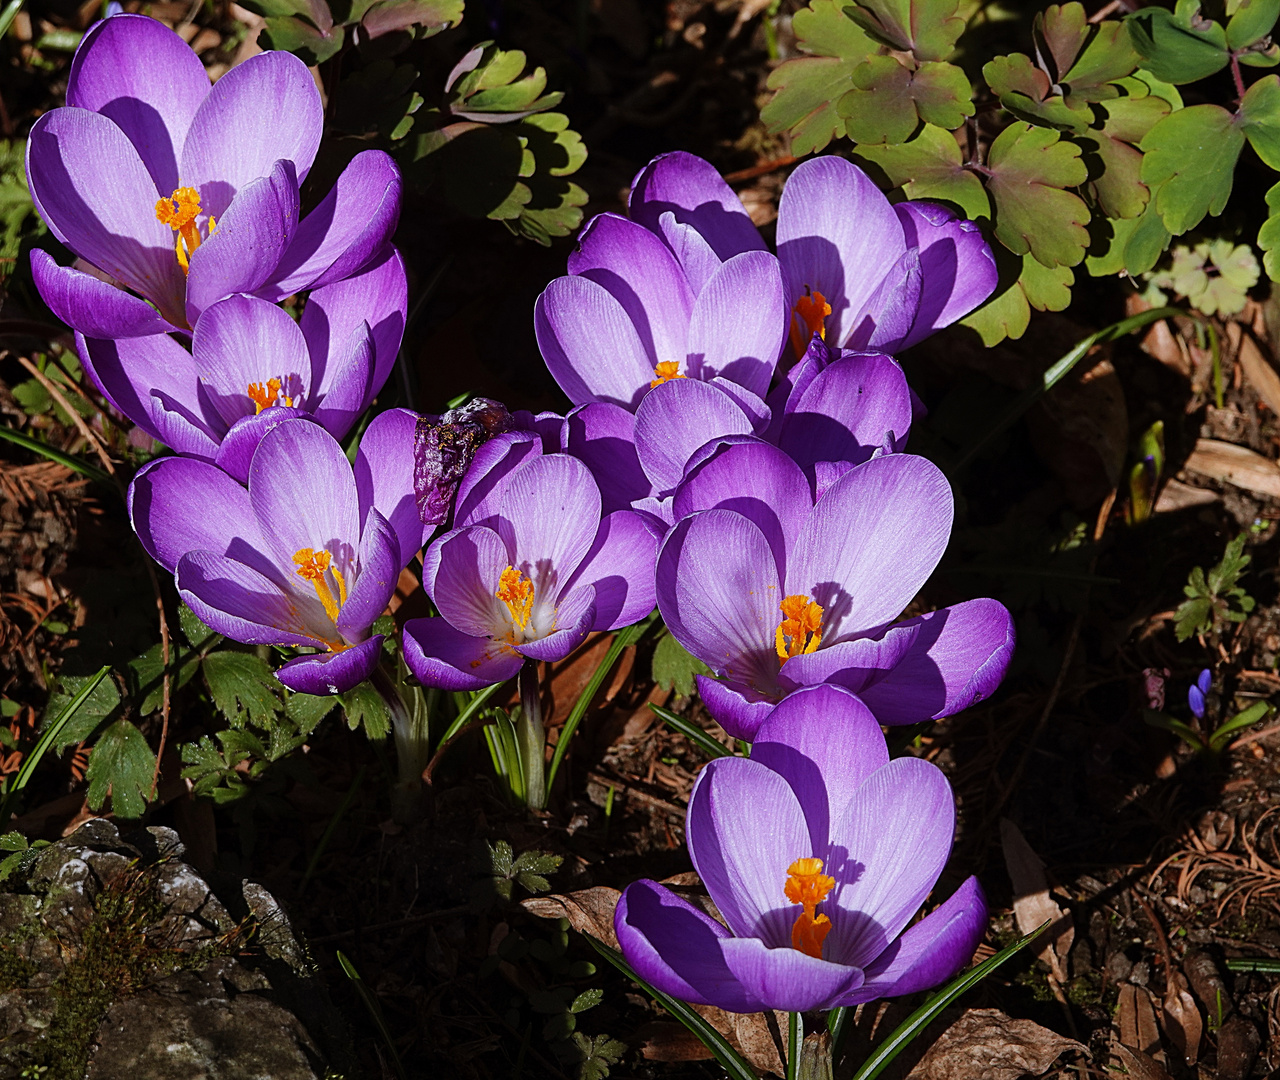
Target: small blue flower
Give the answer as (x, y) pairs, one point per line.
(1197, 692)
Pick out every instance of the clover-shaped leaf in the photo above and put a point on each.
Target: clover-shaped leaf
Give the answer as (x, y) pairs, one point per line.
(1178, 46)
(1028, 168)
(1269, 235)
(1025, 90)
(1259, 118)
(1115, 165)
(1107, 55)
(1008, 313)
(309, 43)
(890, 99)
(486, 85)
(927, 29)
(1192, 154)
(1129, 245)
(429, 17)
(930, 167)
(1005, 315)
(1252, 21)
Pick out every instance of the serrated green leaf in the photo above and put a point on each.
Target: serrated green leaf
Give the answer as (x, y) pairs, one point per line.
(1252, 21)
(100, 704)
(308, 44)
(121, 765)
(1025, 90)
(1029, 167)
(890, 100)
(1269, 235)
(307, 710)
(199, 637)
(930, 167)
(1259, 118)
(1191, 154)
(674, 667)
(147, 674)
(926, 28)
(243, 688)
(1173, 49)
(31, 395)
(365, 708)
(595, 1054)
(1046, 289)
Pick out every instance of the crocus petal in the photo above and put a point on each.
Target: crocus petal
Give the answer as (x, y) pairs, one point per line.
(837, 235)
(144, 78)
(824, 742)
(460, 572)
(886, 318)
(260, 111)
(248, 242)
(872, 540)
(575, 616)
(854, 664)
(384, 477)
(131, 370)
(887, 850)
(620, 568)
(695, 256)
(717, 589)
(438, 655)
(692, 190)
(739, 323)
(956, 261)
(549, 517)
(788, 979)
(97, 197)
(480, 491)
(237, 601)
(734, 706)
(931, 951)
(180, 429)
(590, 345)
(92, 306)
(235, 451)
(375, 582)
(742, 858)
(332, 672)
(677, 418)
(350, 379)
(603, 436)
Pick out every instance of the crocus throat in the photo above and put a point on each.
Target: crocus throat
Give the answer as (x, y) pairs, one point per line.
(801, 628)
(808, 317)
(179, 211)
(808, 885)
(313, 566)
(265, 395)
(516, 591)
(666, 371)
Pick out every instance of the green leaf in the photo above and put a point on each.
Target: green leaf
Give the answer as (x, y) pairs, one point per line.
(926, 28)
(33, 397)
(243, 688)
(1025, 90)
(308, 44)
(1005, 315)
(1115, 169)
(692, 732)
(1252, 22)
(588, 999)
(1175, 50)
(890, 100)
(428, 16)
(147, 674)
(1259, 118)
(121, 765)
(930, 167)
(1046, 289)
(1108, 56)
(1191, 154)
(674, 666)
(102, 701)
(806, 90)
(596, 1054)
(1269, 235)
(365, 708)
(1029, 167)
(199, 636)
(1258, 711)
(307, 710)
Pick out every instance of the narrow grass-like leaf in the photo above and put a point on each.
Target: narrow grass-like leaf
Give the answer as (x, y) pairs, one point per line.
(1260, 965)
(1255, 712)
(53, 454)
(473, 706)
(9, 14)
(370, 1000)
(692, 732)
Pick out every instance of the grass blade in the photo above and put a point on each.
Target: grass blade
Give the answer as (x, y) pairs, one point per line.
(473, 706)
(9, 14)
(692, 732)
(370, 1000)
(53, 454)
(1258, 964)
(1259, 710)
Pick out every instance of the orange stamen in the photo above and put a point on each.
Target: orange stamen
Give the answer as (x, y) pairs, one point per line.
(666, 371)
(313, 566)
(812, 310)
(516, 591)
(265, 395)
(801, 628)
(808, 885)
(179, 211)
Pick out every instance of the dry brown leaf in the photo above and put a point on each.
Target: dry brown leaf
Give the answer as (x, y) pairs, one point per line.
(1032, 904)
(1175, 496)
(1235, 465)
(589, 911)
(989, 1044)
(1138, 1065)
(1137, 1021)
(1182, 1022)
(666, 1040)
(1257, 369)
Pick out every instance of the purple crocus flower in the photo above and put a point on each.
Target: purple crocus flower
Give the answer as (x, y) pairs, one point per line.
(858, 270)
(817, 851)
(307, 556)
(251, 366)
(774, 589)
(529, 569)
(180, 194)
(1198, 691)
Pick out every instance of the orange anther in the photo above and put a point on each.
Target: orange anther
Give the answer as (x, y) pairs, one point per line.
(801, 628)
(179, 211)
(666, 371)
(313, 566)
(265, 395)
(516, 591)
(812, 310)
(808, 885)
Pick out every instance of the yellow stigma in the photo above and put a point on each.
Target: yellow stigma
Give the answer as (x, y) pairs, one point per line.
(516, 591)
(666, 371)
(179, 211)
(264, 395)
(313, 566)
(808, 885)
(801, 628)
(811, 310)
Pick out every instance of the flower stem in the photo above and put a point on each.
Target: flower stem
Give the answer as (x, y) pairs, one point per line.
(795, 1039)
(411, 730)
(531, 737)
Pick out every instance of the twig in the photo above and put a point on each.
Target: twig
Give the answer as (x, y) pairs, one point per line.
(76, 418)
(759, 170)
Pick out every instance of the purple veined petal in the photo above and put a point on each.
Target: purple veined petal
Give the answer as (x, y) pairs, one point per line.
(240, 443)
(787, 978)
(639, 271)
(332, 672)
(734, 706)
(349, 381)
(695, 256)
(242, 341)
(837, 235)
(855, 664)
(91, 306)
(590, 345)
(603, 437)
(959, 657)
(752, 405)
(461, 574)
(887, 850)
(245, 248)
(756, 480)
(824, 742)
(375, 581)
(676, 419)
(718, 592)
(384, 477)
(692, 190)
(97, 197)
(131, 370)
(548, 518)
(238, 602)
(846, 411)
(180, 429)
(438, 655)
(179, 505)
(958, 267)
(378, 296)
(304, 496)
(743, 857)
(620, 568)
(347, 229)
(259, 112)
(872, 540)
(677, 948)
(887, 317)
(739, 323)
(480, 491)
(548, 426)
(656, 511)
(931, 951)
(144, 78)
(575, 615)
